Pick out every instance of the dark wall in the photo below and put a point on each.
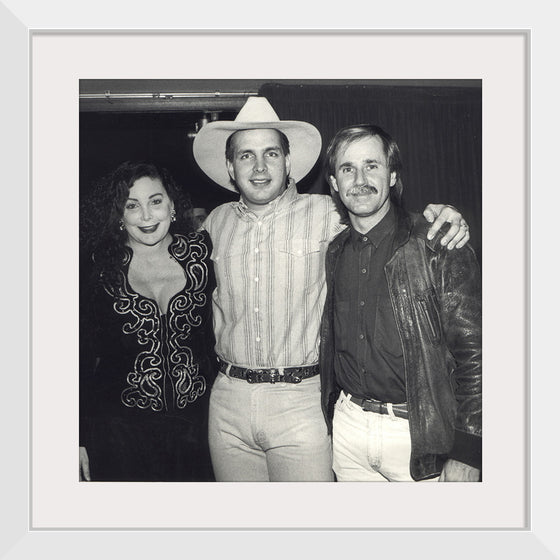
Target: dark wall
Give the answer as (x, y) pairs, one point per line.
(108, 139)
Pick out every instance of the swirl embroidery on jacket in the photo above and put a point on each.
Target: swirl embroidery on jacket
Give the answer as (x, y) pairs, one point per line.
(184, 314)
(142, 319)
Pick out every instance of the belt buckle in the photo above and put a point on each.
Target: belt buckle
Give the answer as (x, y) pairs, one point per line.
(274, 373)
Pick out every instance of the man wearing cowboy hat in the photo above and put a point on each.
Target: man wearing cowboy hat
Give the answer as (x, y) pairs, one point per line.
(266, 422)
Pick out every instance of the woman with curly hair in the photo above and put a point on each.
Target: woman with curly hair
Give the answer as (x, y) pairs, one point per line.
(146, 336)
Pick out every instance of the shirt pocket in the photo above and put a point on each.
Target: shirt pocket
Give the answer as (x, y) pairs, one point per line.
(300, 247)
(300, 266)
(428, 309)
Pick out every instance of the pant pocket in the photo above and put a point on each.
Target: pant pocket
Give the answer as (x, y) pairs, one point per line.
(339, 401)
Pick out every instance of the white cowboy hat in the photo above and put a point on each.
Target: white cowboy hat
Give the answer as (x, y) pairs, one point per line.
(210, 142)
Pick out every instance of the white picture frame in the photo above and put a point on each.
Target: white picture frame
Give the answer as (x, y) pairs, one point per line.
(531, 534)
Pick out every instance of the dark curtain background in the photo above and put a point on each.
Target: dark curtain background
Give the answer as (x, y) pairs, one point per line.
(108, 139)
(438, 130)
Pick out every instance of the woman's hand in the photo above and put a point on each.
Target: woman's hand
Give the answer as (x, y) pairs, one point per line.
(439, 214)
(84, 465)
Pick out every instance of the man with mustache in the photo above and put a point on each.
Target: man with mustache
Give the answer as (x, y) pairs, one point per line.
(265, 419)
(401, 332)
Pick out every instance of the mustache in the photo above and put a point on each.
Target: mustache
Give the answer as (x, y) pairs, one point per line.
(363, 189)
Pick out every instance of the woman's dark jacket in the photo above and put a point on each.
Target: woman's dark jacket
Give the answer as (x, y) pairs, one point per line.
(436, 299)
(139, 363)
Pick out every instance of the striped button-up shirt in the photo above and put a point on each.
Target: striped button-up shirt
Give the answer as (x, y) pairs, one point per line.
(270, 271)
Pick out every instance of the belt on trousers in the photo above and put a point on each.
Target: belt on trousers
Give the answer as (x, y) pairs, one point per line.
(272, 375)
(371, 405)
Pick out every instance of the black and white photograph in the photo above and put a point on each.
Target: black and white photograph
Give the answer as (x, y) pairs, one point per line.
(280, 280)
(263, 256)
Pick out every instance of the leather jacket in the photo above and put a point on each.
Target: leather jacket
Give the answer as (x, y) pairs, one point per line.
(436, 299)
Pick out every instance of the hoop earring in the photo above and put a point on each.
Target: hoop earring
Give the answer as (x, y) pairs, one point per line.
(173, 215)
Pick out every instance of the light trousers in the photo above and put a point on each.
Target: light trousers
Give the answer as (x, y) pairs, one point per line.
(268, 431)
(368, 446)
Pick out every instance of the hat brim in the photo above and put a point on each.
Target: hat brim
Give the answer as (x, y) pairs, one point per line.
(210, 145)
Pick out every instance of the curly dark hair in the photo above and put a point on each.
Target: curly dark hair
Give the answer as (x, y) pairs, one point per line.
(102, 209)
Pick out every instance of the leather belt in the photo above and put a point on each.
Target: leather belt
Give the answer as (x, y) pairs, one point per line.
(272, 375)
(371, 405)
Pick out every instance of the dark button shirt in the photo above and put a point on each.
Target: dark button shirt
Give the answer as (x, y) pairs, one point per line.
(368, 352)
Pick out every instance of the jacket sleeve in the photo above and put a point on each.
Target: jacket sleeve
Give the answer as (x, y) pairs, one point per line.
(86, 365)
(329, 387)
(88, 351)
(461, 316)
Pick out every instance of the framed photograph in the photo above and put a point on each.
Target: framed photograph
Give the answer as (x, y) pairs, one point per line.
(507, 510)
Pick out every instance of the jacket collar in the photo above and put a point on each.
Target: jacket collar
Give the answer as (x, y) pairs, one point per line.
(402, 233)
(404, 227)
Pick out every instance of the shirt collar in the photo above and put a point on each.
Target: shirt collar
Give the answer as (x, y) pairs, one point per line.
(275, 205)
(378, 232)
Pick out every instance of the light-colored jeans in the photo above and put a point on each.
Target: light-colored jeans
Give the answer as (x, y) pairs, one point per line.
(268, 431)
(370, 447)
